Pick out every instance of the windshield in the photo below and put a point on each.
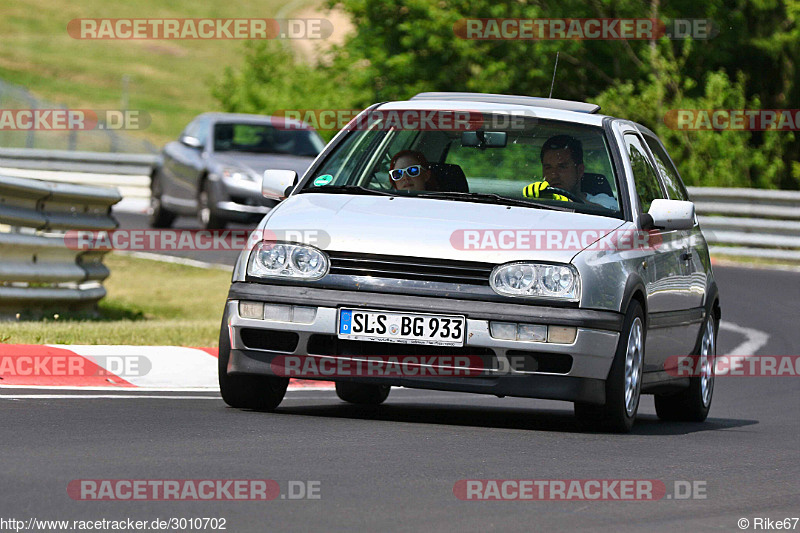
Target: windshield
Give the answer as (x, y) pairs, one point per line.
(528, 162)
(266, 139)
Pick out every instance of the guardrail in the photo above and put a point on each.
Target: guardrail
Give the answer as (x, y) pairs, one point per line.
(37, 269)
(70, 161)
(130, 173)
(749, 222)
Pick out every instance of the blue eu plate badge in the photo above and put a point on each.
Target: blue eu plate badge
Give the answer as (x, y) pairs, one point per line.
(345, 318)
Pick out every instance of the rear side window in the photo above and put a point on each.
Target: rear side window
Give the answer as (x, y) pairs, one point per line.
(669, 174)
(644, 174)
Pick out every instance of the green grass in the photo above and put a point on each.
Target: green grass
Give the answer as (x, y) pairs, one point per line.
(170, 79)
(148, 303)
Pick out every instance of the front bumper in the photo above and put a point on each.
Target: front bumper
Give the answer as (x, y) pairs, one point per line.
(240, 200)
(583, 380)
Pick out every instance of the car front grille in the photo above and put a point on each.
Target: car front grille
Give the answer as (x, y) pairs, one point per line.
(413, 268)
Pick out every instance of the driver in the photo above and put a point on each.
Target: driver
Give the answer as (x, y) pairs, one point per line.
(410, 171)
(562, 166)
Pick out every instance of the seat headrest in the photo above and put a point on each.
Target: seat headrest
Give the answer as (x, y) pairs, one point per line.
(449, 177)
(595, 184)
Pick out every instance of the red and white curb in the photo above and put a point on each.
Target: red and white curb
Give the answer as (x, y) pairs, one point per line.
(104, 367)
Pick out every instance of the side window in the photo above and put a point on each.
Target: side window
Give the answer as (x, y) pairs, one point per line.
(669, 174)
(644, 174)
(347, 158)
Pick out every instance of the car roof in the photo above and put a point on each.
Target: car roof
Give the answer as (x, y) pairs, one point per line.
(533, 101)
(544, 108)
(254, 119)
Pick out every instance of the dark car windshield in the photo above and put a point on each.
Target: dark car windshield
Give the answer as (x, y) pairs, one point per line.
(491, 159)
(266, 139)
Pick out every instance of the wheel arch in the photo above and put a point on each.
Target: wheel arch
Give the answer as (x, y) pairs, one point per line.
(635, 290)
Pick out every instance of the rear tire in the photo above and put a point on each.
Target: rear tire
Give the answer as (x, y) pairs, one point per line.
(362, 394)
(160, 217)
(260, 393)
(624, 383)
(693, 403)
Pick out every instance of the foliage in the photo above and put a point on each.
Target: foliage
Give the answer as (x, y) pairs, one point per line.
(271, 81)
(402, 47)
(705, 158)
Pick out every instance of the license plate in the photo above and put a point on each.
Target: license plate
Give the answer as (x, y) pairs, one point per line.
(407, 328)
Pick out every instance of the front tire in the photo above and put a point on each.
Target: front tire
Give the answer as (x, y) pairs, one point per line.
(160, 217)
(260, 393)
(624, 383)
(205, 212)
(692, 404)
(362, 394)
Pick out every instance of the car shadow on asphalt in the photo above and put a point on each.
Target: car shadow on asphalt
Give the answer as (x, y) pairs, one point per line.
(500, 418)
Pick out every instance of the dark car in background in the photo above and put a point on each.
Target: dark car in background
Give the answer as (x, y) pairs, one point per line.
(213, 171)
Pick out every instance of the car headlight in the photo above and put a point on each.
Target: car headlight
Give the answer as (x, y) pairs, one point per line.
(238, 174)
(280, 260)
(538, 280)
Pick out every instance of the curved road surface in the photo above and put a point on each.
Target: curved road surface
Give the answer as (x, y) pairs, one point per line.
(394, 467)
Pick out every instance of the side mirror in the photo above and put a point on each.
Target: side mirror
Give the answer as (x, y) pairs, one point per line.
(277, 184)
(670, 215)
(191, 142)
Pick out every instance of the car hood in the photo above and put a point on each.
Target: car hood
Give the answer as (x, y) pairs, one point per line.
(423, 227)
(258, 163)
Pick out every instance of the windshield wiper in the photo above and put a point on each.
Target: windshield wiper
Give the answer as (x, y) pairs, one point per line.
(490, 198)
(348, 189)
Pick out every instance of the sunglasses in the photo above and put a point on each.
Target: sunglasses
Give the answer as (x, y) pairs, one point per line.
(413, 171)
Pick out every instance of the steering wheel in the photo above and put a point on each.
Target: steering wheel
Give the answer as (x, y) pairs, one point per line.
(571, 196)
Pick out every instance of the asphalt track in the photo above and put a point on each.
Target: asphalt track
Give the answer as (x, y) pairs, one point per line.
(395, 467)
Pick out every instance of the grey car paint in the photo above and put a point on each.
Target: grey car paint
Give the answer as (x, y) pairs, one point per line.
(184, 167)
(675, 278)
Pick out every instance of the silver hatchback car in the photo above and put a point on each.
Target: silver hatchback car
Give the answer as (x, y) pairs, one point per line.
(492, 244)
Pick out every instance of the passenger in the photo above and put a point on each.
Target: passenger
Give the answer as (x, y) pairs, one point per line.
(562, 166)
(410, 171)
